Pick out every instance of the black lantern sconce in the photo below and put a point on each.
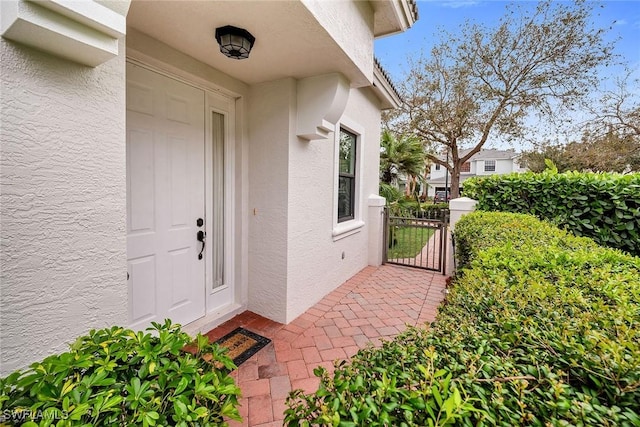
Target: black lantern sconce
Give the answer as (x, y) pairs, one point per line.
(234, 42)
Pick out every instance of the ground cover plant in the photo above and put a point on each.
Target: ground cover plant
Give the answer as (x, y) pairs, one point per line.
(539, 328)
(602, 206)
(116, 376)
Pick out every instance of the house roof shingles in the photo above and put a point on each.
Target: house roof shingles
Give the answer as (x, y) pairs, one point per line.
(385, 75)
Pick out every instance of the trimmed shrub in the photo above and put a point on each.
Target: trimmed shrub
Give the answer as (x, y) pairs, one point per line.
(120, 377)
(540, 328)
(518, 231)
(602, 206)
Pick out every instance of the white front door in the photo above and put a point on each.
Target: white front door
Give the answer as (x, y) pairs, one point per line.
(165, 198)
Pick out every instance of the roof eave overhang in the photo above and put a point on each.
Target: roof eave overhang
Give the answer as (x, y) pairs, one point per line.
(394, 16)
(382, 87)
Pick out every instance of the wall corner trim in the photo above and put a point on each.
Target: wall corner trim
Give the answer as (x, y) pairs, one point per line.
(85, 32)
(321, 101)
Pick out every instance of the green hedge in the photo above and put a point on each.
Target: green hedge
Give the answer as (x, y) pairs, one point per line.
(120, 377)
(540, 328)
(602, 206)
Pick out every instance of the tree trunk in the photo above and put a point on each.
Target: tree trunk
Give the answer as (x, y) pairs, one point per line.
(425, 186)
(455, 181)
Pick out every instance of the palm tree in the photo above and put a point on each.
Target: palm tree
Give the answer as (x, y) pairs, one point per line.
(400, 156)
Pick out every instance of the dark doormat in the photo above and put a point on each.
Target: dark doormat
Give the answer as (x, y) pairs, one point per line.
(242, 344)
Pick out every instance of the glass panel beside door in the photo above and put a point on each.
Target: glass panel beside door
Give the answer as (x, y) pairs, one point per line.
(217, 243)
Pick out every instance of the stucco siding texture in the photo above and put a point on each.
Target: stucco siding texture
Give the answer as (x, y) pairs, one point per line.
(270, 123)
(315, 263)
(62, 202)
(350, 24)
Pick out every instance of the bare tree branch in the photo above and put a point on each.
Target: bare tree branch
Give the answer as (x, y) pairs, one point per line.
(482, 83)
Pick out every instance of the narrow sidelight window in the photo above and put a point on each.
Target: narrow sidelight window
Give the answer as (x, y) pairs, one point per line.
(347, 176)
(217, 240)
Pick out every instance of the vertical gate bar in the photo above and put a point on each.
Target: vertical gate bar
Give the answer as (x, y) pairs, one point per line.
(436, 256)
(422, 244)
(412, 242)
(427, 246)
(441, 246)
(443, 256)
(385, 234)
(416, 231)
(433, 250)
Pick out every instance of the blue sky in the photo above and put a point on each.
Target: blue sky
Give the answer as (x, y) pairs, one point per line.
(623, 16)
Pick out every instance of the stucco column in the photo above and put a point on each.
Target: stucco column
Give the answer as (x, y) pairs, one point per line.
(376, 229)
(459, 207)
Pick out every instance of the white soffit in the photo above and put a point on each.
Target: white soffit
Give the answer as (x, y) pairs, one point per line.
(393, 16)
(290, 42)
(81, 31)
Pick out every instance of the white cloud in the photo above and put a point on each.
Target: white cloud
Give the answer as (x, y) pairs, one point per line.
(620, 22)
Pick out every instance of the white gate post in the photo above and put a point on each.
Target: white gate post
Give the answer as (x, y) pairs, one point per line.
(457, 209)
(376, 229)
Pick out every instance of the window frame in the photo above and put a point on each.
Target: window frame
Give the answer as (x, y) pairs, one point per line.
(491, 164)
(466, 167)
(351, 176)
(348, 226)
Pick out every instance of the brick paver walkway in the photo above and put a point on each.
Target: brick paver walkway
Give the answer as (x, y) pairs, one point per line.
(375, 304)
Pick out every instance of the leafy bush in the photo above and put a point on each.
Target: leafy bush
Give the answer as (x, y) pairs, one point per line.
(413, 209)
(540, 328)
(120, 377)
(489, 230)
(602, 206)
(392, 194)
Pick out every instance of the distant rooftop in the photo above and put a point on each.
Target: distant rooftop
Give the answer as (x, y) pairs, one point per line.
(489, 154)
(495, 155)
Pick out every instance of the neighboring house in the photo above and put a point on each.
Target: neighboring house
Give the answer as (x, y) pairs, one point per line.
(127, 135)
(485, 162)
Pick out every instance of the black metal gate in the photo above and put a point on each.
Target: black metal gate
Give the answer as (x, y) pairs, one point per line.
(418, 239)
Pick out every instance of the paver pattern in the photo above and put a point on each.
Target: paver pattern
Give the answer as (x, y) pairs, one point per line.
(375, 304)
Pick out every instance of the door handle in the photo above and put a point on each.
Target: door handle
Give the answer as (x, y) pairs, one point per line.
(201, 237)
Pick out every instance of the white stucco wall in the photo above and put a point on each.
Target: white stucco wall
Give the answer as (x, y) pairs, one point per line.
(62, 202)
(502, 166)
(155, 53)
(350, 24)
(294, 260)
(315, 264)
(271, 126)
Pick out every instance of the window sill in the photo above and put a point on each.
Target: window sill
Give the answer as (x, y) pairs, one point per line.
(346, 229)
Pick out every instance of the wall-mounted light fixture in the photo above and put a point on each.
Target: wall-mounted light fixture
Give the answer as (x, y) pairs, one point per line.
(234, 42)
